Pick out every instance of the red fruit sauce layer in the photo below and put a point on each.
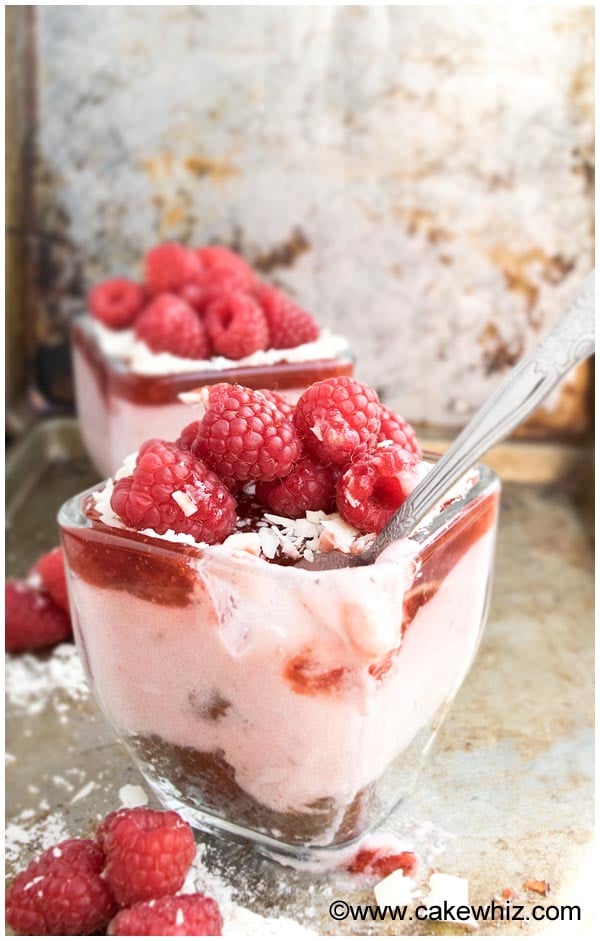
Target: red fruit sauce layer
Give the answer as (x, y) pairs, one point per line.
(158, 390)
(157, 570)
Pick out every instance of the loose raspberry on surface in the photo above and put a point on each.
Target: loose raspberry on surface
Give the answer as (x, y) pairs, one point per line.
(217, 261)
(338, 419)
(116, 303)
(32, 619)
(236, 326)
(51, 569)
(148, 853)
(170, 488)
(245, 435)
(372, 488)
(62, 892)
(170, 266)
(175, 915)
(395, 429)
(289, 325)
(169, 325)
(382, 862)
(310, 486)
(75, 852)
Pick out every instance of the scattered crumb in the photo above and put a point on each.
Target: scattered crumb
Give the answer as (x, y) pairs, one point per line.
(451, 889)
(315, 532)
(85, 791)
(133, 795)
(537, 885)
(395, 889)
(509, 894)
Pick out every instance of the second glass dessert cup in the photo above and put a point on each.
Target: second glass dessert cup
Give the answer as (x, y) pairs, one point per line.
(287, 706)
(118, 408)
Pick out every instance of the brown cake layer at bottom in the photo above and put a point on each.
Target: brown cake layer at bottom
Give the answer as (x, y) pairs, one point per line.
(206, 780)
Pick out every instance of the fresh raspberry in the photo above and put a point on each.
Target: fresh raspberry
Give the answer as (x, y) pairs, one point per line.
(76, 852)
(218, 261)
(212, 286)
(194, 295)
(116, 303)
(186, 441)
(62, 892)
(383, 862)
(236, 326)
(148, 853)
(393, 428)
(51, 570)
(32, 619)
(169, 325)
(192, 915)
(289, 325)
(188, 436)
(372, 488)
(171, 489)
(310, 486)
(338, 419)
(283, 404)
(169, 266)
(245, 435)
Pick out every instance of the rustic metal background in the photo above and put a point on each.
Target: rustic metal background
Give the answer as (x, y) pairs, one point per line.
(420, 177)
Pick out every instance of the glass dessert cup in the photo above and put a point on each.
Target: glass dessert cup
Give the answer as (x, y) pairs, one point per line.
(287, 706)
(118, 408)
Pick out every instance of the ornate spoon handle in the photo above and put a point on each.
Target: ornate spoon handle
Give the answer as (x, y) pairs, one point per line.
(526, 386)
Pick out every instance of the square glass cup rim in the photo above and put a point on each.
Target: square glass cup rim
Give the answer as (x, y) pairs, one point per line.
(71, 516)
(83, 321)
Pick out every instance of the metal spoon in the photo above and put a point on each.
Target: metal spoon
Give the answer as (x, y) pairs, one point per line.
(525, 387)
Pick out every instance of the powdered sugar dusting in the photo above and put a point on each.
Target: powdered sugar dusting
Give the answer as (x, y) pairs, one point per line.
(238, 921)
(36, 682)
(34, 837)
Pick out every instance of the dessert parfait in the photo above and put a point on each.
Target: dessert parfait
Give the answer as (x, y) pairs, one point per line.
(259, 694)
(201, 316)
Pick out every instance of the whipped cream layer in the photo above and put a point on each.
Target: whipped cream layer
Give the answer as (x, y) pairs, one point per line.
(123, 344)
(292, 658)
(320, 689)
(112, 425)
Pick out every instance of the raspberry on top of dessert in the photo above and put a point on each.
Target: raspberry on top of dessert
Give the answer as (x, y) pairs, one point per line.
(277, 479)
(201, 304)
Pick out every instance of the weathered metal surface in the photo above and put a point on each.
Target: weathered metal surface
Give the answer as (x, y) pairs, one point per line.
(420, 178)
(507, 792)
(20, 122)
